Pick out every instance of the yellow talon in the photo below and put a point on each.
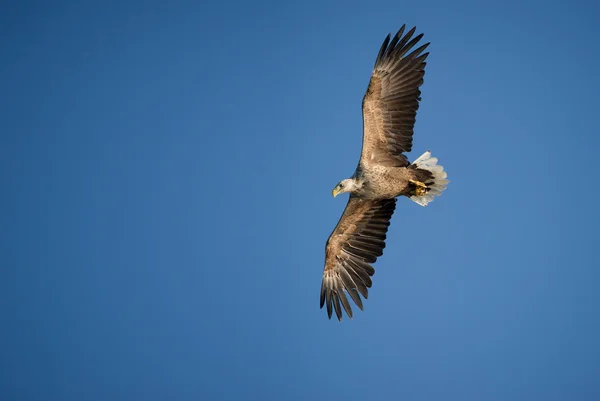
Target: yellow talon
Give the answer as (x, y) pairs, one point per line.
(421, 189)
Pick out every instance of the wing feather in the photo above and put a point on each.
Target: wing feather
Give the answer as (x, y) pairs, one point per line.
(356, 242)
(350, 285)
(392, 99)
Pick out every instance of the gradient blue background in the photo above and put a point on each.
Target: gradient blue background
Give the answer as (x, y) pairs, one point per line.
(166, 174)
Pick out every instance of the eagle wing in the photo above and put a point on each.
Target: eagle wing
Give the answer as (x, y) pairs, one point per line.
(355, 243)
(392, 100)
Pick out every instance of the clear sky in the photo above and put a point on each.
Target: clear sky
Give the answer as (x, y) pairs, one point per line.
(166, 175)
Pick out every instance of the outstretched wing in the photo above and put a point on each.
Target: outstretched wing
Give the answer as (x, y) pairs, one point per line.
(356, 242)
(392, 100)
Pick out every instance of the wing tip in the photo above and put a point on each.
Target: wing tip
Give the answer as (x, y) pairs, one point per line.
(399, 45)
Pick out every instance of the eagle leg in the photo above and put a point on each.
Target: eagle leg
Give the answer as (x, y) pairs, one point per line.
(421, 189)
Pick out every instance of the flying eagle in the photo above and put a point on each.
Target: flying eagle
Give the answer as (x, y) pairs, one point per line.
(383, 173)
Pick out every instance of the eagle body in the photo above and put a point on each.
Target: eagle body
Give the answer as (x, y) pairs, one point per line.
(383, 174)
(389, 182)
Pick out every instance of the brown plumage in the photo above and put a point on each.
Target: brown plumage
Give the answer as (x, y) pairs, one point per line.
(357, 241)
(389, 110)
(392, 100)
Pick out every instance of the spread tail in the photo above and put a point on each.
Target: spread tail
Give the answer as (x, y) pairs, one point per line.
(434, 185)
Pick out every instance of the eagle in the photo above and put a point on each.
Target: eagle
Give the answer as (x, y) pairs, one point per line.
(383, 173)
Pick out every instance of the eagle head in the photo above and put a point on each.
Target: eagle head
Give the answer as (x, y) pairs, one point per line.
(347, 185)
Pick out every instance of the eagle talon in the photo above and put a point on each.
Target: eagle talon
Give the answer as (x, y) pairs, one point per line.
(421, 189)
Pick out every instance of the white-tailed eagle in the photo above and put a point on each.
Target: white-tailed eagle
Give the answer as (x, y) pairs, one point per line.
(383, 173)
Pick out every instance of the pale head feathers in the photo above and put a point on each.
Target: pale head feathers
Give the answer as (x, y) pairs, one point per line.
(347, 185)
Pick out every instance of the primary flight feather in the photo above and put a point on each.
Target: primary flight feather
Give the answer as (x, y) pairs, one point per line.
(384, 173)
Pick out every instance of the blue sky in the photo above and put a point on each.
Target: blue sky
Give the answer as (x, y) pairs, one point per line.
(167, 174)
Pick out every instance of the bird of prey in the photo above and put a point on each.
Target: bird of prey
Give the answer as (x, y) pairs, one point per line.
(384, 173)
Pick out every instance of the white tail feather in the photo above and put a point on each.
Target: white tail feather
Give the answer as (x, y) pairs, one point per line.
(426, 162)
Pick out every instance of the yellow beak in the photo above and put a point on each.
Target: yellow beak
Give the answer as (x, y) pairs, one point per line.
(335, 192)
